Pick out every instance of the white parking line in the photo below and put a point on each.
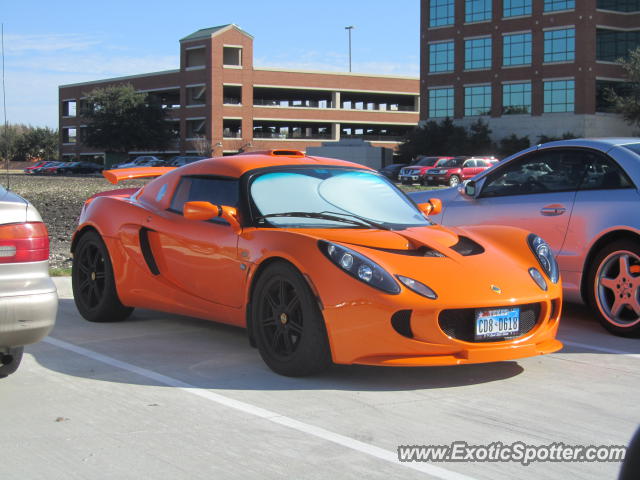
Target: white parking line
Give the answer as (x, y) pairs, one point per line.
(600, 349)
(274, 417)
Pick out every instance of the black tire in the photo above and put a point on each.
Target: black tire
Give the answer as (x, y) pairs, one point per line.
(613, 287)
(9, 362)
(287, 324)
(94, 288)
(454, 181)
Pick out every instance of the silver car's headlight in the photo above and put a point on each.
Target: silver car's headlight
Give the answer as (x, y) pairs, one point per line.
(546, 259)
(360, 267)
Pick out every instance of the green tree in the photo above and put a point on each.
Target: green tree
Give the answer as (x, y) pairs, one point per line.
(35, 143)
(629, 105)
(9, 137)
(513, 144)
(121, 119)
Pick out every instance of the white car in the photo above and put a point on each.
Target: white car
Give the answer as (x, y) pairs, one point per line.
(28, 296)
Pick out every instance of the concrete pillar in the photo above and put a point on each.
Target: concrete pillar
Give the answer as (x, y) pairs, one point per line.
(335, 131)
(335, 99)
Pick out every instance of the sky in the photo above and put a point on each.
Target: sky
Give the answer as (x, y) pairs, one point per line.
(50, 43)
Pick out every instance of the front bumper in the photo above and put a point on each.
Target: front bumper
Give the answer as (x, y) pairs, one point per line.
(409, 178)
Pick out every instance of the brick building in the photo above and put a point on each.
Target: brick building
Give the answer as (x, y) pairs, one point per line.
(529, 67)
(217, 94)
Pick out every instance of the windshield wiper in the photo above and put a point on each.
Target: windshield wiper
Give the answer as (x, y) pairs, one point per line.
(370, 223)
(362, 222)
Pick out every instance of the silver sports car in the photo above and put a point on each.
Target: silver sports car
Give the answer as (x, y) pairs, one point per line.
(28, 298)
(582, 197)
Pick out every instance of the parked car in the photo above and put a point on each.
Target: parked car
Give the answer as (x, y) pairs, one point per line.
(417, 171)
(456, 170)
(582, 197)
(138, 161)
(78, 167)
(31, 168)
(181, 160)
(312, 255)
(49, 169)
(40, 169)
(28, 298)
(392, 171)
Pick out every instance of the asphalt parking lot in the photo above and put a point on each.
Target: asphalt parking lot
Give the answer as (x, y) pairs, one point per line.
(163, 396)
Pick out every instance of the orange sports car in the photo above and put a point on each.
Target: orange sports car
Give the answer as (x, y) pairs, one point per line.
(321, 260)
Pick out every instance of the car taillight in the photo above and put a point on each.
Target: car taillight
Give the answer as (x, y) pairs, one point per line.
(24, 242)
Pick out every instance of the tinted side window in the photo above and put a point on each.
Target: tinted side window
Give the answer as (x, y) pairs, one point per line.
(540, 172)
(604, 174)
(469, 164)
(218, 191)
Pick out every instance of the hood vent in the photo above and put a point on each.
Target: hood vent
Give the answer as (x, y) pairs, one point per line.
(467, 247)
(418, 252)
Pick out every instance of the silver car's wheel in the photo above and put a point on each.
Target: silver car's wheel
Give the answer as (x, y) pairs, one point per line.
(454, 181)
(615, 288)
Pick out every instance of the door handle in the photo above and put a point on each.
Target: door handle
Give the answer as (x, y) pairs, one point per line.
(552, 210)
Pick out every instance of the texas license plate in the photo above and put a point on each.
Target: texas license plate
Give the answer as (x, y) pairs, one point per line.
(497, 322)
(430, 177)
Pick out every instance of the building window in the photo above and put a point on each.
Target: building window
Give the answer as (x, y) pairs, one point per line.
(441, 57)
(441, 13)
(441, 102)
(619, 5)
(603, 87)
(69, 135)
(559, 96)
(196, 128)
(197, 95)
(614, 44)
(560, 45)
(555, 5)
(477, 100)
(516, 49)
(232, 56)
(477, 10)
(69, 108)
(195, 57)
(516, 98)
(477, 53)
(516, 8)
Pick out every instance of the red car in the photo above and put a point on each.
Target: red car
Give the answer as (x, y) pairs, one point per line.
(417, 171)
(31, 168)
(458, 169)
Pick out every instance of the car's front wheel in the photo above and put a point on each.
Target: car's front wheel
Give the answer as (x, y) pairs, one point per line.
(10, 361)
(287, 324)
(454, 180)
(94, 286)
(614, 287)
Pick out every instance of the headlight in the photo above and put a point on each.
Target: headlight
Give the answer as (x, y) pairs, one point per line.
(543, 253)
(359, 267)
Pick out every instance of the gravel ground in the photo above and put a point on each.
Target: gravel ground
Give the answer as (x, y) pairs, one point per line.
(59, 200)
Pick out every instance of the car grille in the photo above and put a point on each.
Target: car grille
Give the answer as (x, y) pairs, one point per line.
(459, 323)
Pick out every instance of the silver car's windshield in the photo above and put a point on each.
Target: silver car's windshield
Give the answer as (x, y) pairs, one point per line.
(333, 191)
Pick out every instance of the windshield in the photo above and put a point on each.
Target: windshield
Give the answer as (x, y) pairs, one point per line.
(332, 191)
(426, 162)
(454, 162)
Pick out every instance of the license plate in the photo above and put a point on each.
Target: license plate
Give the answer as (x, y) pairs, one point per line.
(497, 322)
(430, 178)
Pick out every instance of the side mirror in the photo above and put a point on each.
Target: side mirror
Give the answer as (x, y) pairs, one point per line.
(207, 211)
(470, 189)
(432, 207)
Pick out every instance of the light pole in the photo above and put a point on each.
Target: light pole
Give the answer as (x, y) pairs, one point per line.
(349, 28)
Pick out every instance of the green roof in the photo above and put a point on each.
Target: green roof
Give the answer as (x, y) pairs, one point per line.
(208, 32)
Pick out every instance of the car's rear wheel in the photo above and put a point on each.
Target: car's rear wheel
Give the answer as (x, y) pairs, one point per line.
(614, 287)
(94, 287)
(287, 324)
(454, 180)
(10, 361)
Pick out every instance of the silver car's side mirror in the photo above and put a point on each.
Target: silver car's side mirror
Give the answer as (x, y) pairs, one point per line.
(470, 189)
